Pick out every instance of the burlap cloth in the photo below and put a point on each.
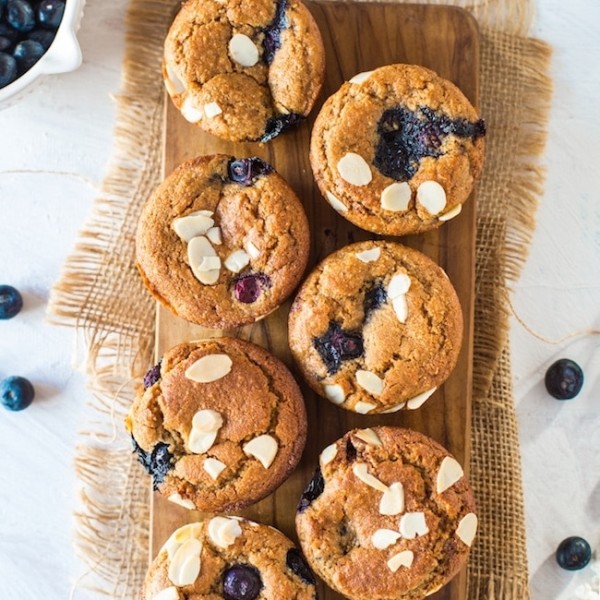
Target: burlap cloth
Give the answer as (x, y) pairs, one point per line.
(101, 295)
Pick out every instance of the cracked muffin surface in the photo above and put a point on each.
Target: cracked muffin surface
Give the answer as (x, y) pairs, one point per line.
(223, 241)
(388, 515)
(231, 558)
(397, 150)
(244, 71)
(220, 424)
(376, 327)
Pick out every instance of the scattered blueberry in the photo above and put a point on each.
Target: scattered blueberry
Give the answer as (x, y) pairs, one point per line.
(275, 125)
(16, 393)
(374, 298)
(350, 451)
(27, 53)
(573, 553)
(20, 15)
(564, 379)
(407, 136)
(337, 345)
(246, 170)
(43, 37)
(152, 376)
(297, 564)
(50, 13)
(8, 69)
(241, 582)
(247, 288)
(272, 33)
(158, 462)
(11, 301)
(313, 490)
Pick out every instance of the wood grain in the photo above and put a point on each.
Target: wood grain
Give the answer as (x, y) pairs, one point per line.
(358, 37)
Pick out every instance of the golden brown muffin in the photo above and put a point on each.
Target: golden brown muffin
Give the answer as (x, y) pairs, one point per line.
(388, 515)
(220, 424)
(228, 557)
(244, 71)
(376, 327)
(397, 150)
(222, 242)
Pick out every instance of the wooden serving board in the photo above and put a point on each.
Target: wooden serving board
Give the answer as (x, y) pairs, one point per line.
(358, 37)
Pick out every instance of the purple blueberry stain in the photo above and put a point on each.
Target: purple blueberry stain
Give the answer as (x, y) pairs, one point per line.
(241, 582)
(297, 564)
(375, 297)
(337, 345)
(350, 451)
(407, 136)
(272, 32)
(157, 463)
(278, 124)
(152, 375)
(245, 171)
(313, 490)
(248, 288)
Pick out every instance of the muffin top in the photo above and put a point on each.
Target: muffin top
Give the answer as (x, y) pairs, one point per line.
(389, 514)
(222, 242)
(220, 424)
(376, 327)
(231, 558)
(397, 150)
(244, 71)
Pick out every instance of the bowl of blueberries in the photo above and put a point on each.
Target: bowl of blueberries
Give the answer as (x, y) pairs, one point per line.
(37, 37)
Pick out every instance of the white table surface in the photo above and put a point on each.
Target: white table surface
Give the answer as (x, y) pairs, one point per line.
(65, 126)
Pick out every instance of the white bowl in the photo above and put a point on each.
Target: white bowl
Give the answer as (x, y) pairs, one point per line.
(64, 55)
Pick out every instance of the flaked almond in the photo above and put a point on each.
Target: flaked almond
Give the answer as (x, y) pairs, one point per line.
(335, 393)
(209, 368)
(413, 524)
(370, 382)
(392, 501)
(184, 567)
(448, 474)
(213, 467)
(402, 559)
(264, 448)
(214, 235)
(190, 110)
(368, 256)
(169, 593)
(243, 50)
(252, 250)
(210, 263)
(453, 212)
(198, 249)
(396, 197)
(368, 436)
(200, 442)
(336, 203)
(360, 77)
(400, 305)
(212, 109)
(394, 408)
(354, 169)
(399, 285)
(361, 470)
(207, 420)
(173, 82)
(419, 400)
(467, 528)
(179, 536)
(432, 197)
(237, 260)
(383, 538)
(223, 531)
(177, 499)
(362, 408)
(328, 454)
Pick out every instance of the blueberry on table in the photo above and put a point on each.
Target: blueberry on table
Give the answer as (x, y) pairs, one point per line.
(50, 13)
(20, 15)
(27, 53)
(573, 553)
(11, 301)
(16, 393)
(8, 73)
(241, 582)
(564, 379)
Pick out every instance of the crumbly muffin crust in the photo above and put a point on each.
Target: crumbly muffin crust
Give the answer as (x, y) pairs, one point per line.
(258, 216)
(388, 515)
(214, 462)
(376, 327)
(397, 150)
(228, 557)
(244, 71)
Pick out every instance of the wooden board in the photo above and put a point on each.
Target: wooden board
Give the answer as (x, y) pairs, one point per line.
(358, 37)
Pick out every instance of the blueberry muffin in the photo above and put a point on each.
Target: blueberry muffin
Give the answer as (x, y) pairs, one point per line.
(397, 150)
(230, 558)
(244, 71)
(376, 327)
(389, 514)
(222, 242)
(194, 433)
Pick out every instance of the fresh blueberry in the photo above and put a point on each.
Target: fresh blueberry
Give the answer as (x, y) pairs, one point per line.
(374, 298)
(247, 288)
(43, 37)
(573, 553)
(50, 13)
(158, 462)
(5, 44)
(275, 125)
(272, 33)
(16, 393)
(297, 564)
(27, 53)
(11, 301)
(20, 15)
(241, 582)
(313, 490)
(564, 379)
(245, 170)
(337, 345)
(8, 70)
(152, 375)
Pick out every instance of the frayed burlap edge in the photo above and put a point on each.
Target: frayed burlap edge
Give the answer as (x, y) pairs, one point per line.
(100, 294)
